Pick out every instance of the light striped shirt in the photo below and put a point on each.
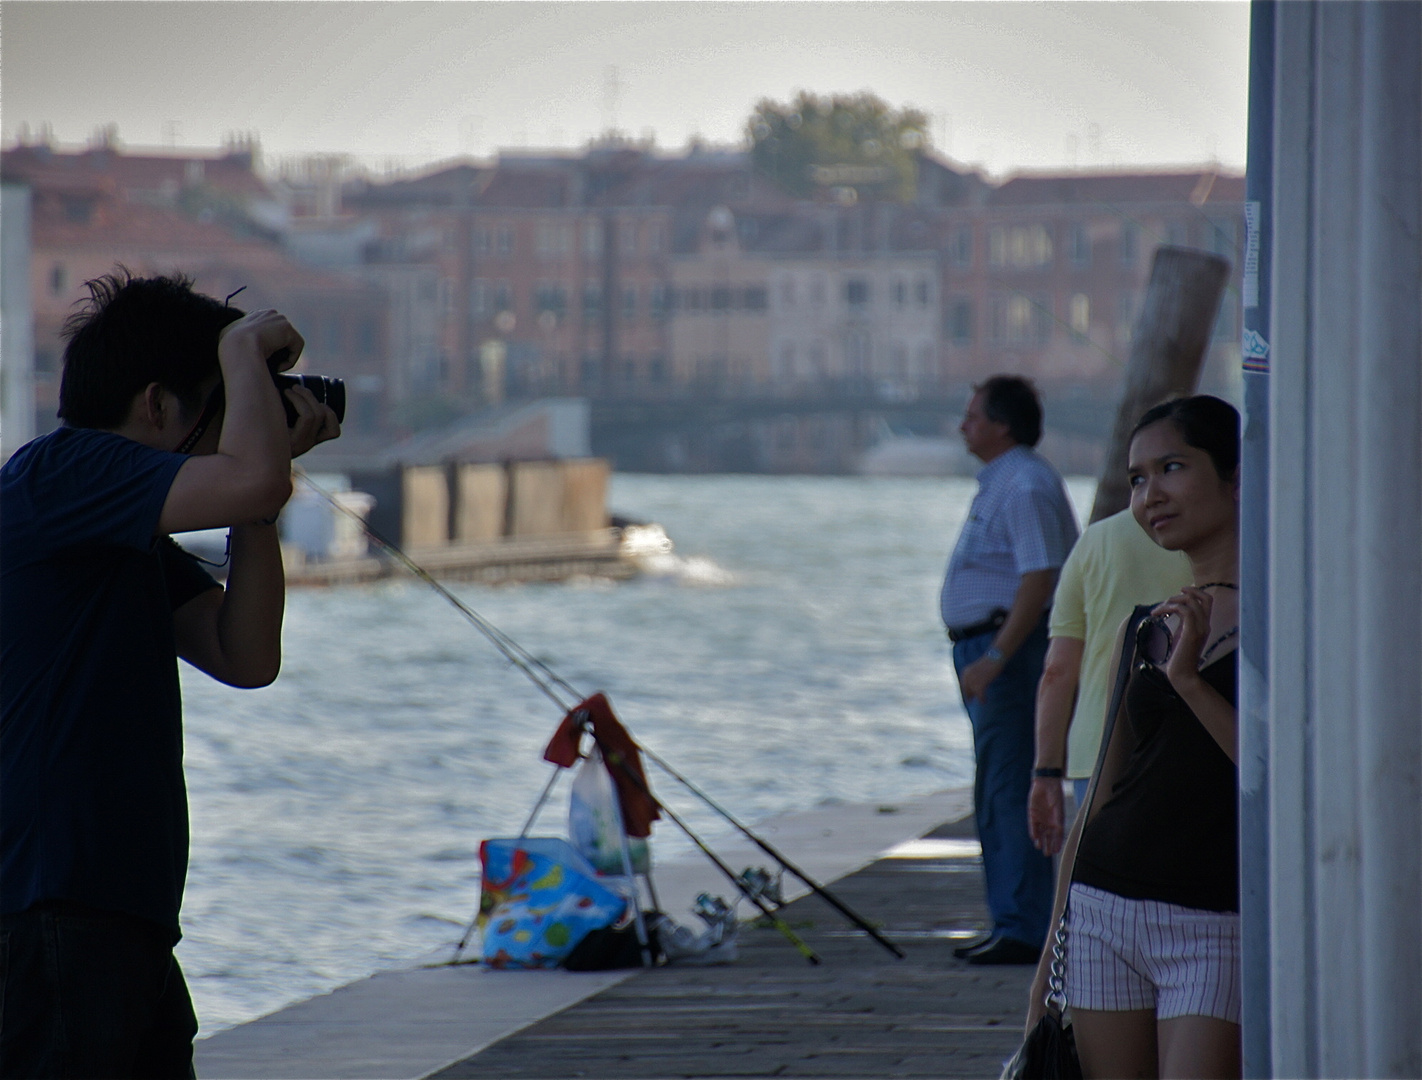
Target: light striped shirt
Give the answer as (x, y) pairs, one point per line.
(1020, 521)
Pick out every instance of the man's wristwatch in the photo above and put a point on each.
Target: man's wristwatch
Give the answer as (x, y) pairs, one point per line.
(995, 654)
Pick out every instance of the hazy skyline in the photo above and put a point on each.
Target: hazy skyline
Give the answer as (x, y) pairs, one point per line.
(1010, 86)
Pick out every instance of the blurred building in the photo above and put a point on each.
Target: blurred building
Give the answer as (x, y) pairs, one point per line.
(99, 208)
(649, 283)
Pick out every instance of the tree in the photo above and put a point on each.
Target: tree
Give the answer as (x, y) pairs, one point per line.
(853, 142)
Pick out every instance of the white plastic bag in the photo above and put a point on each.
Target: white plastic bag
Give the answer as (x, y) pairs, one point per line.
(595, 821)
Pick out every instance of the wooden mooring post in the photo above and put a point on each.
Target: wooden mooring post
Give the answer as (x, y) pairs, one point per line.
(1167, 351)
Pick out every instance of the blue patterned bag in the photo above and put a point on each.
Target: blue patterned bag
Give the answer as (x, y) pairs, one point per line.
(539, 898)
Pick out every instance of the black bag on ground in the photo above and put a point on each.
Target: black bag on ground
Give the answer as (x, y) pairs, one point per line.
(612, 948)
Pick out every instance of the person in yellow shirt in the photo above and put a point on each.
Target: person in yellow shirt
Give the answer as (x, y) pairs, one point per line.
(1113, 567)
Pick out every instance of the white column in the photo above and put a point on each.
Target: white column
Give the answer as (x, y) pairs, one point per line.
(1389, 365)
(1345, 717)
(1291, 886)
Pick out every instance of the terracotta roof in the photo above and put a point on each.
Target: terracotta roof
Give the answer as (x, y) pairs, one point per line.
(128, 172)
(170, 239)
(1200, 187)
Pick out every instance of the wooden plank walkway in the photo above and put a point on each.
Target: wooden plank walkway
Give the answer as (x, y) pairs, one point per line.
(861, 1013)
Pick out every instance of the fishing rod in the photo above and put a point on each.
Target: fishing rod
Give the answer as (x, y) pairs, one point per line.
(545, 678)
(765, 846)
(616, 758)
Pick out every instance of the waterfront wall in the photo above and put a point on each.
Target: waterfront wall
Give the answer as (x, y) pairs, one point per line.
(458, 503)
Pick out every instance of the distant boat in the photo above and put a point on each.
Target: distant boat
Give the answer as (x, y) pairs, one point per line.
(914, 455)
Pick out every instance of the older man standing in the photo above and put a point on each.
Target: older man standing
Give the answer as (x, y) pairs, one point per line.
(995, 599)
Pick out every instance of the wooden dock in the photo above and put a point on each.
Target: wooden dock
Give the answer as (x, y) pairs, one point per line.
(862, 1013)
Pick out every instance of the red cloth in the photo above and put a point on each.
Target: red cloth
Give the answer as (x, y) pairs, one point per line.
(619, 753)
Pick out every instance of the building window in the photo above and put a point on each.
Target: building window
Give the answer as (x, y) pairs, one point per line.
(627, 238)
(1130, 243)
(856, 292)
(657, 370)
(720, 298)
(754, 298)
(482, 241)
(1020, 320)
(900, 294)
(1079, 244)
(922, 291)
(592, 239)
(818, 367)
(817, 290)
(58, 280)
(961, 247)
(1079, 315)
(44, 360)
(660, 301)
(78, 209)
(503, 297)
(551, 297)
(592, 301)
(960, 321)
(504, 238)
(629, 302)
(691, 300)
(656, 238)
(1020, 246)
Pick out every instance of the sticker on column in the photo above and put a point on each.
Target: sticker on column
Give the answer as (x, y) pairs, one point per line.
(1250, 285)
(1254, 350)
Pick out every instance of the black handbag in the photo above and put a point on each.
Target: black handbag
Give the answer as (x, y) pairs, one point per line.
(1049, 1050)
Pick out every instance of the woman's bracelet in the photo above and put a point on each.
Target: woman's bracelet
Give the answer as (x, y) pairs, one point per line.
(1049, 774)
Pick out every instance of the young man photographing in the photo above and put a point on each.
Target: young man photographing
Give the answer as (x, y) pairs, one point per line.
(172, 423)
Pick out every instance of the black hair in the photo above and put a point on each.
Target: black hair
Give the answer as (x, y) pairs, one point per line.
(1204, 422)
(1012, 400)
(130, 332)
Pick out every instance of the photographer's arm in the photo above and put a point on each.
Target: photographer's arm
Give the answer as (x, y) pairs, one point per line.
(235, 635)
(249, 477)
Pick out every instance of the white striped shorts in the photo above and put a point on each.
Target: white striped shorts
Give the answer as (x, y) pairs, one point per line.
(1146, 954)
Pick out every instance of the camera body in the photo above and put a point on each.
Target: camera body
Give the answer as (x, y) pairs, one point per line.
(326, 390)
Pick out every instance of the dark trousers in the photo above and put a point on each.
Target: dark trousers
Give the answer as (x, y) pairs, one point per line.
(1019, 877)
(90, 993)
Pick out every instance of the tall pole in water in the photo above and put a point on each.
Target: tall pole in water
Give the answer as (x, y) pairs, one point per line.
(1254, 550)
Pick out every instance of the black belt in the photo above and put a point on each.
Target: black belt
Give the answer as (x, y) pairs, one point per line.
(987, 626)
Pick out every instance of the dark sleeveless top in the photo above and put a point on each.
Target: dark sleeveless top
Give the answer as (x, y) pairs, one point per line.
(1169, 830)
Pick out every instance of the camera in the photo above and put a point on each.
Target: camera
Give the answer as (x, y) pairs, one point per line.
(326, 390)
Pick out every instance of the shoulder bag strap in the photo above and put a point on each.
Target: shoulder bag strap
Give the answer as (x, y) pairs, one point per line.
(1056, 981)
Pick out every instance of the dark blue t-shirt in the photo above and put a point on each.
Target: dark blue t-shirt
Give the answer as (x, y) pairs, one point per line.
(92, 802)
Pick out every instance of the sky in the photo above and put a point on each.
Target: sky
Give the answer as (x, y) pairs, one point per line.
(1010, 86)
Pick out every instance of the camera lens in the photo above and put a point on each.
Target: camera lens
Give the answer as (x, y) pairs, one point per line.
(327, 391)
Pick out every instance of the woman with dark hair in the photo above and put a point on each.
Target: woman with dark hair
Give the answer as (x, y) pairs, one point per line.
(1150, 876)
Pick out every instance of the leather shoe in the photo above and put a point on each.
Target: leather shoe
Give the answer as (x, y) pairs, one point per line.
(967, 948)
(1005, 950)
